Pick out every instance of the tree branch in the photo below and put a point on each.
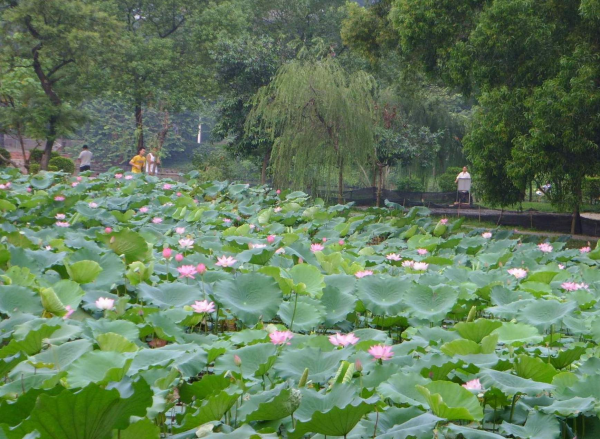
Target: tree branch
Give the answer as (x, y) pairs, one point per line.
(59, 66)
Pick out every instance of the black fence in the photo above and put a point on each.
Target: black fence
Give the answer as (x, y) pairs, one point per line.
(368, 197)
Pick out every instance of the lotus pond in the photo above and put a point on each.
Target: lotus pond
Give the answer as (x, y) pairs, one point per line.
(132, 307)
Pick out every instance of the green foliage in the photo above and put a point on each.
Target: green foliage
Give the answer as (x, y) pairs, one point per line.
(34, 168)
(63, 164)
(35, 156)
(4, 157)
(446, 181)
(591, 189)
(410, 184)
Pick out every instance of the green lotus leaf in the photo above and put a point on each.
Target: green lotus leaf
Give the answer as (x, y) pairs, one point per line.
(276, 404)
(419, 427)
(428, 303)
(51, 302)
(537, 426)
(212, 409)
(130, 244)
(401, 388)
(249, 296)
(92, 412)
(517, 334)
(460, 347)
(337, 305)
(535, 369)
(307, 313)
(451, 401)
(256, 360)
(477, 330)
(145, 428)
(97, 367)
(310, 276)
(31, 344)
(115, 343)
(69, 293)
(321, 366)
(471, 433)
(571, 407)
(546, 313)
(383, 295)
(175, 294)
(511, 384)
(200, 390)
(16, 299)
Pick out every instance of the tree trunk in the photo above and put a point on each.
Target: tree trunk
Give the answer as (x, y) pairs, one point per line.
(265, 164)
(341, 182)
(374, 184)
(139, 125)
(576, 228)
(530, 191)
(1, 140)
(380, 185)
(50, 138)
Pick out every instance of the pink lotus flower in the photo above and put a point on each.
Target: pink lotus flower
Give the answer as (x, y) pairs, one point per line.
(74, 184)
(280, 251)
(186, 243)
(107, 230)
(358, 365)
(167, 187)
(203, 306)
(237, 360)
(79, 178)
(62, 224)
(227, 220)
(3, 186)
(157, 220)
(167, 252)
(117, 176)
(179, 194)
(252, 226)
(179, 257)
(93, 205)
(59, 198)
(393, 257)
(518, 273)
(277, 209)
(129, 177)
(420, 266)
(105, 303)
(444, 221)
(422, 251)
(545, 247)
(583, 250)
(486, 235)
(48, 247)
(278, 191)
(561, 267)
(69, 312)
(343, 340)
(316, 247)
(201, 269)
(225, 261)
(408, 263)
(341, 242)
(180, 230)
(324, 240)
(281, 337)
(271, 239)
(364, 273)
(381, 352)
(60, 216)
(187, 271)
(572, 286)
(473, 385)
(28, 189)
(144, 209)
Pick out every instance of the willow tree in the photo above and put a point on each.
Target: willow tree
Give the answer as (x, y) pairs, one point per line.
(320, 119)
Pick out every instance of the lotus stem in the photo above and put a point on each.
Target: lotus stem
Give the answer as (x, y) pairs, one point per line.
(512, 407)
(294, 313)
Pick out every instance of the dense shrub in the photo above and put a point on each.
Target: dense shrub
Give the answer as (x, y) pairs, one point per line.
(35, 156)
(410, 184)
(63, 164)
(34, 168)
(446, 180)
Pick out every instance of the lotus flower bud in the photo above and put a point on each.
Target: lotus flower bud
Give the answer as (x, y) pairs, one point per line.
(358, 365)
(167, 252)
(303, 378)
(237, 360)
(472, 314)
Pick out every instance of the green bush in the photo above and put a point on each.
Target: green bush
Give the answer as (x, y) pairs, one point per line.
(446, 180)
(4, 157)
(591, 188)
(63, 164)
(34, 168)
(410, 184)
(35, 156)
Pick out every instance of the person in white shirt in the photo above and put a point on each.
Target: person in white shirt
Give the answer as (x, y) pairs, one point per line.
(85, 159)
(463, 174)
(152, 162)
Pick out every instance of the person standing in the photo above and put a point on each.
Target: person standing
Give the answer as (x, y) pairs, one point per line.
(85, 159)
(152, 162)
(137, 162)
(463, 174)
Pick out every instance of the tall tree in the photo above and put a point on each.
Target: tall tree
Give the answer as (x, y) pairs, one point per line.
(64, 43)
(320, 118)
(532, 65)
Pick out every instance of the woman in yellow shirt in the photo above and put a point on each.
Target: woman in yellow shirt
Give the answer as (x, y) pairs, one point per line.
(137, 163)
